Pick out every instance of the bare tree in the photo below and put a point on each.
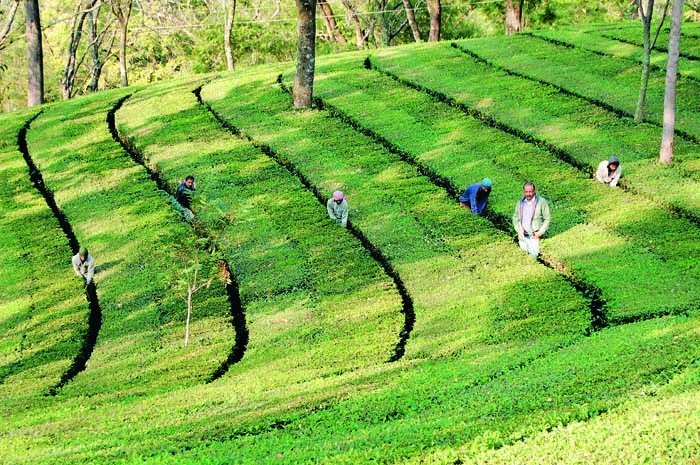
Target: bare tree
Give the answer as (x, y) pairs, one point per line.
(393, 20)
(411, 17)
(121, 9)
(514, 16)
(329, 19)
(9, 19)
(649, 44)
(229, 16)
(76, 34)
(35, 54)
(99, 41)
(435, 9)
(360, 35)
(674, 43)
(306, 54)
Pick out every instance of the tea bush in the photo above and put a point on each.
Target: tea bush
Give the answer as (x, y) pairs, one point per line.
(579, 132)
(597, 235)
(118, 214)
(43, 311)
(496, 359)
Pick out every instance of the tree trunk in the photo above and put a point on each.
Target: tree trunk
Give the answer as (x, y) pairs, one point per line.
(190, 291)
(666, 153)
(122, 11)
(646, 26)
(228, 26)
(514, 14)
(329, 19)
(94, 46)
(306, 54)
(123, 76)
(359, 34)
(412, 20)
(35, 54)
(7, 27)
(649, 44)
(76, 34)
(435, 20)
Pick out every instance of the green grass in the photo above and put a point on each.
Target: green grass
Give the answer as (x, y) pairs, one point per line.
(504, 362)
(575, 128)
(43, 312)
(117, 213)
(592, 241)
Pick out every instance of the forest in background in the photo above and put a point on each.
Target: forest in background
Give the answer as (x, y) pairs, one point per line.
(166, 38)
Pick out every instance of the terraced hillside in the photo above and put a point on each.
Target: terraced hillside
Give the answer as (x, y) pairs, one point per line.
(420, 333)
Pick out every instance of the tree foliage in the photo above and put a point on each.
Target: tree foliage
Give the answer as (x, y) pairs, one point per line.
(91, 48)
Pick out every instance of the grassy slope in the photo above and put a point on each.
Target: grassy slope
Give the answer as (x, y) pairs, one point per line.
(345, 311)
(595, 243)
(584, 133)
(423, 233)
(43, 312)
(508, 381)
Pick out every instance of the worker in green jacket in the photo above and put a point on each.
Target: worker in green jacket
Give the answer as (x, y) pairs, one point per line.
(531, 219)
(84, 267)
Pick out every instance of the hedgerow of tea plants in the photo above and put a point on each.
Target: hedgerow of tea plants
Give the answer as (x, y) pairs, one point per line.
(117, 213)
(504, 363)
(597, 233)
(42, 306)
(279, 243)
(579, 132)
(423, 233)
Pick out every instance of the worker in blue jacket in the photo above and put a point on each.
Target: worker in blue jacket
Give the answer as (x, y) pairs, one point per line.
(476, 196)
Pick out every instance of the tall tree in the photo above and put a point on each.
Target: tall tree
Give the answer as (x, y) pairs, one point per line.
(121, 9)
(410, 15)
(514, 16)
(230, 14)
(674, 44)
(99, 42)
(646, 17)
(435, 9)
(76, 35)
(35, 54)
(9, 19)
(306, 54)
(334, 31)
(360, 35)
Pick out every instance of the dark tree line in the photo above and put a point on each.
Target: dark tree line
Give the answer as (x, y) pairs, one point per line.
(98, 33)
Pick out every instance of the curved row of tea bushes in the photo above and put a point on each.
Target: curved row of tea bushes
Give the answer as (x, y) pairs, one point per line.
(43, 311)
(435, 412)
(316, 303)
(603, 78)
(470, 283)
(599, 42)
(602, 236)
(124, 221)
(690, 39)
(662, 431)
(576, 130)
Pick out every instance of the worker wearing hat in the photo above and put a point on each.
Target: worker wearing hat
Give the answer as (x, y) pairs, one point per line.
(476, 196)
(609, 171)
(84, 265)
(338, 208)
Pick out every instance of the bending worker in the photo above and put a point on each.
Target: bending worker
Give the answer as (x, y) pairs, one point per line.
(476, 196)
(338, 208)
